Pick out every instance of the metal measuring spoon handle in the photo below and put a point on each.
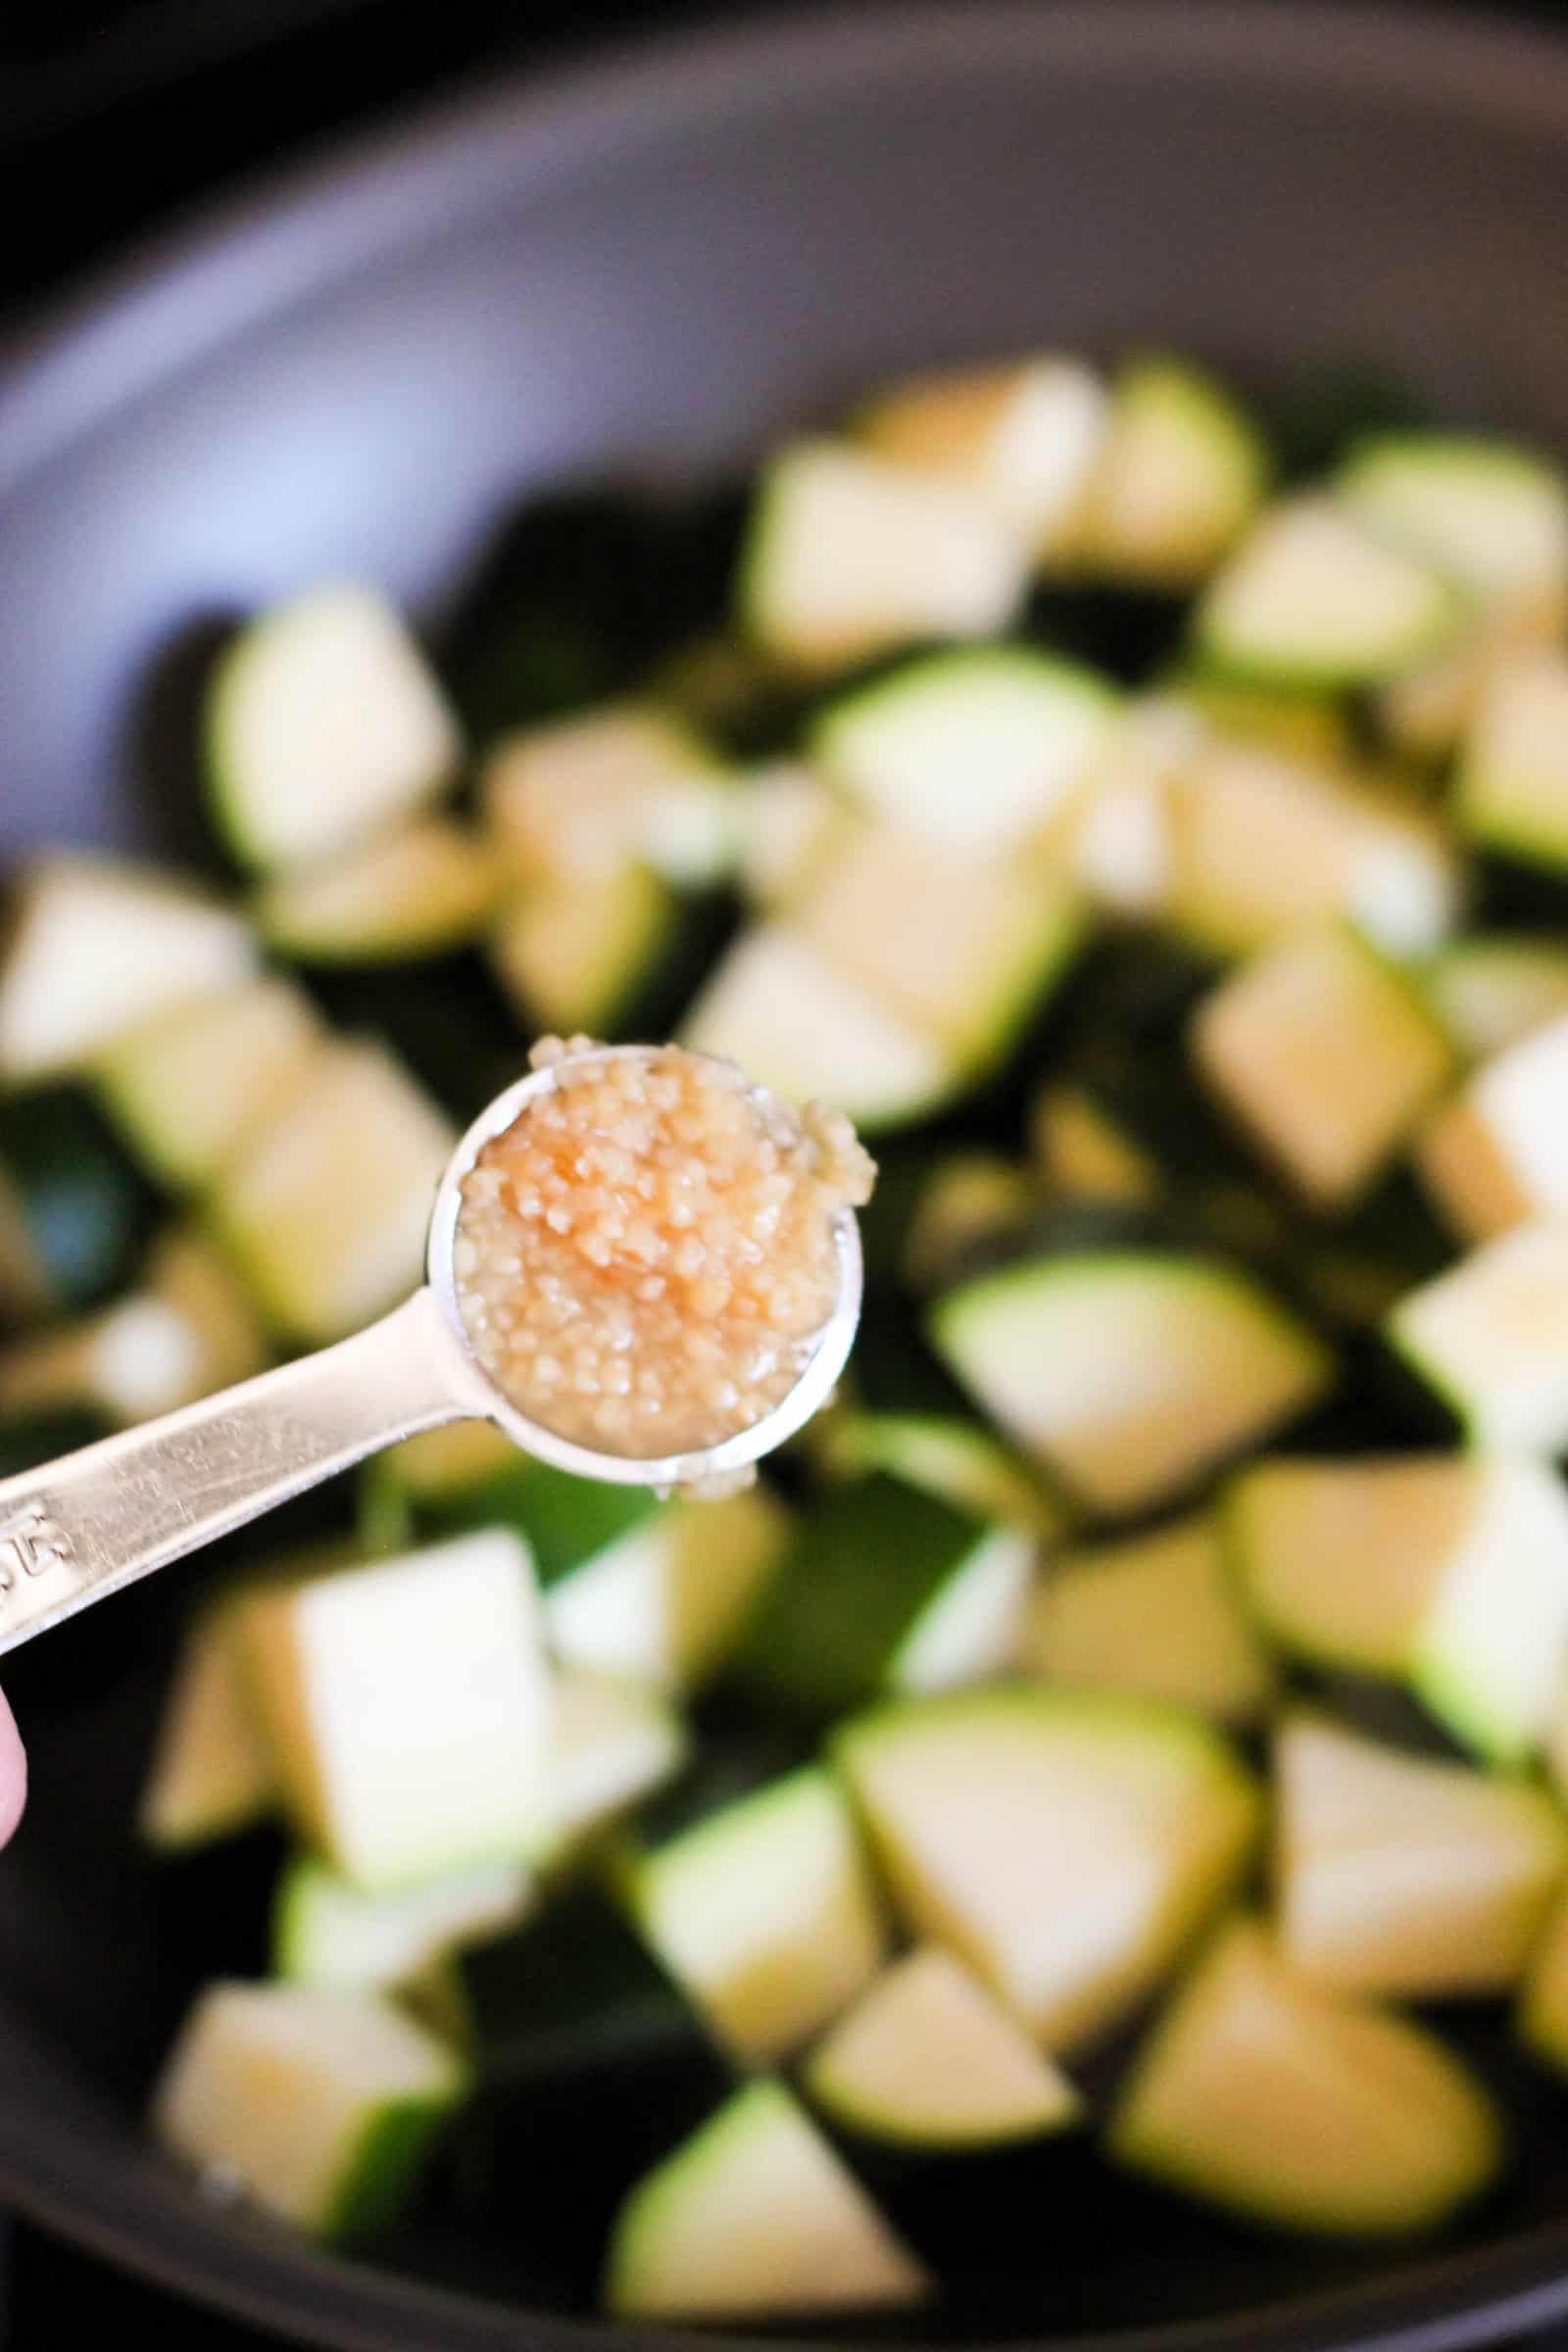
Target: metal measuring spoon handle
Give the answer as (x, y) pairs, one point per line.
(76, 1530)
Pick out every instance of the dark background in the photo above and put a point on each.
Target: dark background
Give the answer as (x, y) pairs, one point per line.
(117, 117)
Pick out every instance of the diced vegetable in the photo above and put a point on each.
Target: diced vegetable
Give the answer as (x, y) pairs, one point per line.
(1497, 1153)
(1511, 790)
(1082, 1152)
(1489, 1336)
(327, 1209)
(1122, 849)
(324, 726)
(975, 751)
(1130, 1373)
(1312, 599)
(611, 1742)
(573, 954)
(192, 1086)
(320, 2103)
(211, 1771)
(1065, 1846)
(585, 797)
(408, 1707)
(1488, 990)
(1300, 2108)
(1494, 518)
(1154, 1616)
(96, 944)
(781, 1008)
(326, 1930)
(656, 1593)
(929, 2059)
(1259, 845)
(968, 1199)
(1179, 477)
(850, 556)
(1403, 1875)
(1026, 436)
(417, 890)
(1326, 1056)
(1446, 1571)
(963, 946)
(886, 1587)
(790, 826)
(756, 2216)
(765, 1911)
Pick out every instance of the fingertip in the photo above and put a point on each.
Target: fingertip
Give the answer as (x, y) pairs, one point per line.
(13, 1773)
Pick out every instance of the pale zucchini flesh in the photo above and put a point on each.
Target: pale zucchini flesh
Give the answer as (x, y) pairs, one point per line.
(928, 2058)
(1299, 2108)
(421, 889)
(1129, 1374)
(1066, 1846)
(754, 2217)
(767, 1912)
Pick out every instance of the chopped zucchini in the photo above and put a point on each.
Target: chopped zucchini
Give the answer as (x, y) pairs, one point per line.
(790, 826)
(1122, 848)
(786, 1012)
(1066, 1846)
(189, 1088)
(928, 2059)
(1298, 726)
(326, 1930)
(849, 555)
(574, 954)
(1495, 519)
(319, 2104)
(96, 944)
(325, 1211)
(1449, 1572)
(211, 1771)
(974, 751)
(1312, 599)
(419, 890)
(754, 2216)
(1325, 1056)
(1511, 789)
(1492, 517)
(611, 1742)
(885, 1588)
(964, 948)
(71, 1207)
(408, 1707)
(1404, 1876)
(968, 1199)
(656, 1593)
(765, 1911)
(1130, 1373)
(1259, 845)
(186, 1331)
(1490, 989)
(1489, 1338)
(1180, 475)
(580, 799)
(1026, 435)
(324, 726)
(947, 1455)
(1497, 1152)
(1080, 1149)
(1299, 2108)
(1154, 1616)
